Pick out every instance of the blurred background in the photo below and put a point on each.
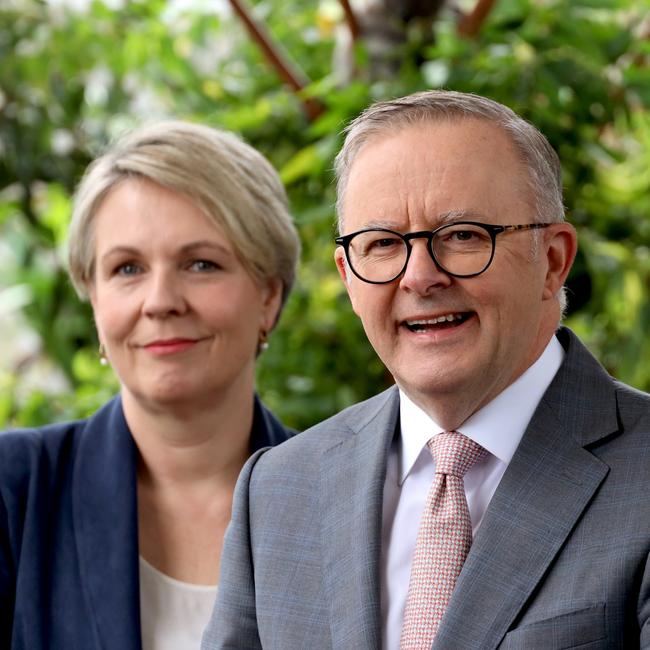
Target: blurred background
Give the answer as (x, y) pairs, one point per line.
(288, 75)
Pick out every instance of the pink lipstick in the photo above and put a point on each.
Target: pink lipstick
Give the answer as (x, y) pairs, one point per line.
(169, 346)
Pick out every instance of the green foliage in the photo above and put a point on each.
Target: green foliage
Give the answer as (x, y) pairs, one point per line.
(72, 79)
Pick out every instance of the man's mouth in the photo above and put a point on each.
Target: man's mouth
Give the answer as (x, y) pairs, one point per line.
(444, 321)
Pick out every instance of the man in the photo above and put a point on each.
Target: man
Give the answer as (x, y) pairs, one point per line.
(454, 254)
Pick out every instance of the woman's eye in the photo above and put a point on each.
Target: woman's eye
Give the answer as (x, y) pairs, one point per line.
(203, 266)
(127, 269)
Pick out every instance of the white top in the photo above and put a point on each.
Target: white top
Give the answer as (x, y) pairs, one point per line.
(498, 427)
(173, 614)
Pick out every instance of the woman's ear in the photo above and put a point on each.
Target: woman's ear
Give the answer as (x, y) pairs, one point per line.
(92, 299)
(92, 294)
(271, 303)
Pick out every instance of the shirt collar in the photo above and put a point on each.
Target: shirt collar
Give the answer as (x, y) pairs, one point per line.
(497, 427)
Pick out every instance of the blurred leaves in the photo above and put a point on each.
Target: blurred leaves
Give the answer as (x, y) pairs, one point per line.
(74, 75)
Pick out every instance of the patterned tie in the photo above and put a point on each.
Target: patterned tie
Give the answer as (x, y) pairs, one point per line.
(443, 541)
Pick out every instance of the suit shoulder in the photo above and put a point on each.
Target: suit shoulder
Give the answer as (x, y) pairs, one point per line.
(633, 406)
(49, 436)
(313, 441)
(633, 394)
(22, 451)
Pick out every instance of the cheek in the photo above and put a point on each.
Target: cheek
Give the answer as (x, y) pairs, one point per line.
(494, 294)
(240, 309)
(513, 312)
(374, 308)
(361, 303)
(226, 316)
(370, 302)
(113, 317)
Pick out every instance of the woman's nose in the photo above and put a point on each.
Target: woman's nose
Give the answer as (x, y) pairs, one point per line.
(164, 294)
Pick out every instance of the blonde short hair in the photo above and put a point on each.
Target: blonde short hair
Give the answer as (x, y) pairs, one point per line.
(232, 183)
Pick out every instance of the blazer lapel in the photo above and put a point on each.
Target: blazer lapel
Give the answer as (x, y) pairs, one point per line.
(105, 517)
(352, 485)
(544, 491)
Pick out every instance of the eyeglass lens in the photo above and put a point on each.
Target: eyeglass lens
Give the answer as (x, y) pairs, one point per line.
(460, 249)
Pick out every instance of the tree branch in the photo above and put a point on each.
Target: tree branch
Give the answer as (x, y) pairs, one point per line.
(351, 20)
(470, 23)
(279, 60)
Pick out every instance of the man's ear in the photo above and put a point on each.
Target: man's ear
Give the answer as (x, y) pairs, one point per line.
(341, 265)
(560, 245)
(346, 276)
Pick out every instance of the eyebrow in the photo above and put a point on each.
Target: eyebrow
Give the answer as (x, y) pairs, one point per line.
(444, 218)
(380, 223)
(205, 243)
(187, 248)
(455, 215)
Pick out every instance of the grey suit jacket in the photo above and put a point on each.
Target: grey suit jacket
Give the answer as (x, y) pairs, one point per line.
(561, 559)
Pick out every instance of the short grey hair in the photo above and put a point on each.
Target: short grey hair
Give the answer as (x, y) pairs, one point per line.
(544, 172)
(232, 183)
(388, 117)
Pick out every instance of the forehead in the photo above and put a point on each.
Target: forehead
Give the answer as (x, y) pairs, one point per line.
(424, 171)
(140, 208)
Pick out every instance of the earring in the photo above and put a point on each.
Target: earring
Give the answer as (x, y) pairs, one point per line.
(263, 341)
(102, 355)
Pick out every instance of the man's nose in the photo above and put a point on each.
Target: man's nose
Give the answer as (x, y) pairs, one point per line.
(422, 274)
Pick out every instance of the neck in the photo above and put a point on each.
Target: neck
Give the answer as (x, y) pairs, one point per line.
(179, 445)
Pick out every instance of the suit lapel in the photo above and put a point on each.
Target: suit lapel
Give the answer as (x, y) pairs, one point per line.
(105, 519)
(352, 484)
(545, 489)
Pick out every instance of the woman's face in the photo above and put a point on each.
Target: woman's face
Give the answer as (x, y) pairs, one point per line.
(176, 310)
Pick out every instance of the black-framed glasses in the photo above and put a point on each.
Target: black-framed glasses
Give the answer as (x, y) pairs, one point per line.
(463, 249)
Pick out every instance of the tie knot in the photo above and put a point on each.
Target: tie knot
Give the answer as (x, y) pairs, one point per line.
(454, 453)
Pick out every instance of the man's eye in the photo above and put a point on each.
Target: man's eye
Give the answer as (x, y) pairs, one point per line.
(464, 235)
(382, 243)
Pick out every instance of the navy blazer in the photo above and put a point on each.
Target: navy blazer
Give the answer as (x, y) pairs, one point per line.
(69, 532)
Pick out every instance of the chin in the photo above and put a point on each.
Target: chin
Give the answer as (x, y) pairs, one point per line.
(176, 394)
(430, 381)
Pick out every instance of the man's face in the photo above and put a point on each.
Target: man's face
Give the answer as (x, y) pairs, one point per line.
(418, 179)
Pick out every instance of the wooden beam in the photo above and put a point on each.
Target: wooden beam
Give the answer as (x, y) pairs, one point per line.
(291, 74)
(351, 20)
(470, 23)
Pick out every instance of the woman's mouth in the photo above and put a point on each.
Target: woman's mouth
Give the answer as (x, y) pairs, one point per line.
(170, 346)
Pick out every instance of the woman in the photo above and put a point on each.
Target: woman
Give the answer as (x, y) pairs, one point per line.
(111, 528)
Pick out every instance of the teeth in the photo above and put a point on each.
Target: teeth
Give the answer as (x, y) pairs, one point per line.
(434, 321)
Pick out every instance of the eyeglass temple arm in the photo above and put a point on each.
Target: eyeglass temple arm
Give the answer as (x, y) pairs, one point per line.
(526, 226)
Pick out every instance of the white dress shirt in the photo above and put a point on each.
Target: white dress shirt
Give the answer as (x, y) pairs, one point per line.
(498, 427)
